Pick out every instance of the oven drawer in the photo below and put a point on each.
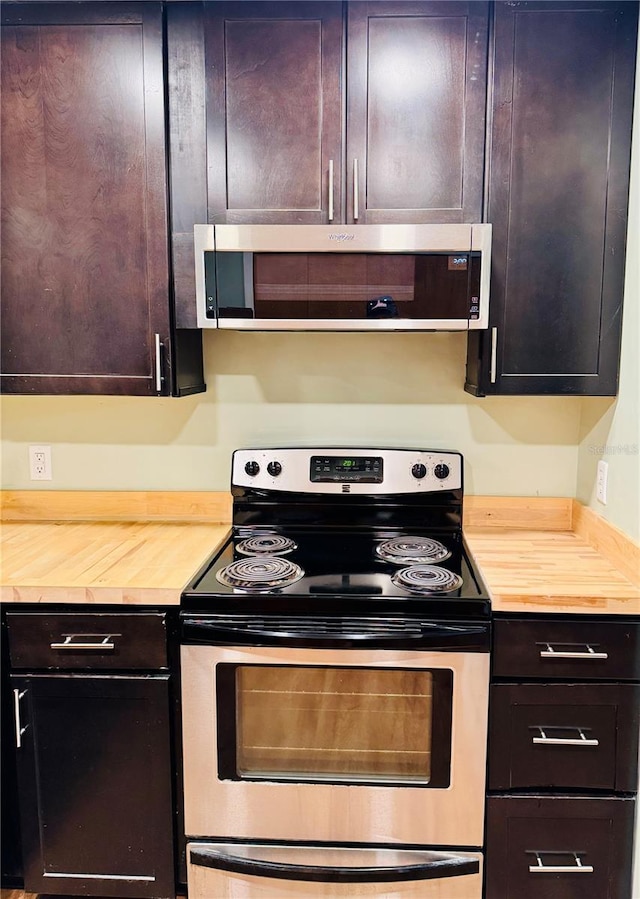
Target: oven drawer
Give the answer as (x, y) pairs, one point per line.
(566, 650)
(237, 871)
(559, 736)
(96, 640)
(568, 847)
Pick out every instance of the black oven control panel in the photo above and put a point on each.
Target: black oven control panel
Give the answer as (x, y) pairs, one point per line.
(345, 469)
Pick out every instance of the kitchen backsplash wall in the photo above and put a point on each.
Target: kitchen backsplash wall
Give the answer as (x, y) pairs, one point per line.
(263, 388)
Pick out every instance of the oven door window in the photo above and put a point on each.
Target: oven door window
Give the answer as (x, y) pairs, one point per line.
(335, 724)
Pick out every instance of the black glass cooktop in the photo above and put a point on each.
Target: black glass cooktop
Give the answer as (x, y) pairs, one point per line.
(341, 571)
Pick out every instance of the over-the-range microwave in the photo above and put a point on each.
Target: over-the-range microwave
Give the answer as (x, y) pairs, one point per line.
(343, 277)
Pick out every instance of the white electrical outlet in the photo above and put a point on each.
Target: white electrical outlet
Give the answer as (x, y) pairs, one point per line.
(40, 463)
(601, 482)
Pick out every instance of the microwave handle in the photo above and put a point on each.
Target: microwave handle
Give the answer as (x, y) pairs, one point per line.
(443, 866)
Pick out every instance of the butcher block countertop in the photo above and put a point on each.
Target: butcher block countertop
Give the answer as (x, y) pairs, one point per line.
(113, 548)
(542, 555)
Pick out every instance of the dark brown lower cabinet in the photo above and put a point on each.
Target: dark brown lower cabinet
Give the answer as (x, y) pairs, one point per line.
(94, 774)
(559, 847)
(10, 850)
(564, 736)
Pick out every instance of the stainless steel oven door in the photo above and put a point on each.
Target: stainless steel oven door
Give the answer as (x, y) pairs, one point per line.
(238, 871)
(364, 745)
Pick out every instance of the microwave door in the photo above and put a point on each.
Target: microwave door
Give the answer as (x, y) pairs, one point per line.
(345, 291)
(343, 278)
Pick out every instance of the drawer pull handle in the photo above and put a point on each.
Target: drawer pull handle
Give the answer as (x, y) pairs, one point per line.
(582, 740)
(541, 868)
(551, 653)
(106, 642)
(17, 696)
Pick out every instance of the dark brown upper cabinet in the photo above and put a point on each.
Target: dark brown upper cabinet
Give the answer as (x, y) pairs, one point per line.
(273, 109)
(411, 149)
(416, 97)
(559, 160)
(320, 112)
(85, 261)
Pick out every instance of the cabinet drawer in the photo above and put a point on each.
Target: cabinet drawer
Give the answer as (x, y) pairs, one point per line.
(564, 736)
(560, 848)
(567, 650)
(96, 640)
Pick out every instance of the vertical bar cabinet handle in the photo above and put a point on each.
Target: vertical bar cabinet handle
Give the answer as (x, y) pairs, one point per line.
(17, 696)
(331, 190)
(356, 210)
(494, 354)
(158, 365)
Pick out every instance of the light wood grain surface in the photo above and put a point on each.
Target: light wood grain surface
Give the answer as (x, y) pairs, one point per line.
(103, 562)
(550, 571)
(537, 554)
(115, 505)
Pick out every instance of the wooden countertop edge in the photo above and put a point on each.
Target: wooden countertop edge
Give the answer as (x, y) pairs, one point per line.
(117, 596)
(568, 605)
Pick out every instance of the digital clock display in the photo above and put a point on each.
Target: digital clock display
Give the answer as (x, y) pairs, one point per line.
(364, 469)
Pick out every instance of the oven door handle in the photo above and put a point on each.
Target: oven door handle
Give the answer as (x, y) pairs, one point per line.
(309, 632)
(438, 866)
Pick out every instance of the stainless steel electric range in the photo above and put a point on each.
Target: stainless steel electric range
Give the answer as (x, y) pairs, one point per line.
(335, 670)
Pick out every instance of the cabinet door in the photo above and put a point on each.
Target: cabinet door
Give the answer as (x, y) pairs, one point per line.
(558, 196)
(559, 848)
(95, 784)
(273, 111)
(10, 852)
(416, 77)
(85, 305)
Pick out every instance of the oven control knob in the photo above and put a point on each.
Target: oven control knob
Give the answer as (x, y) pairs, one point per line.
(441, 471)
(274, 469)
(419, 470)
(252, 468)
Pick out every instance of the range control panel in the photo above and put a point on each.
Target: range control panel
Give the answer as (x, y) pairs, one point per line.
(344, 470)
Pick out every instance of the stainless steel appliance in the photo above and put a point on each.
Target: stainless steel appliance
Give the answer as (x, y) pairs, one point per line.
(335, 670)
(343, 277)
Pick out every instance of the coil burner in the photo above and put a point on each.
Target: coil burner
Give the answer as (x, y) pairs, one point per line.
(427, 579)
(410, 550)
(271, 544)
(260, 573)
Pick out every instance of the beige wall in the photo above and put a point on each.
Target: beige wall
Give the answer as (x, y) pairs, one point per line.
(610, 430)
(360, 389)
